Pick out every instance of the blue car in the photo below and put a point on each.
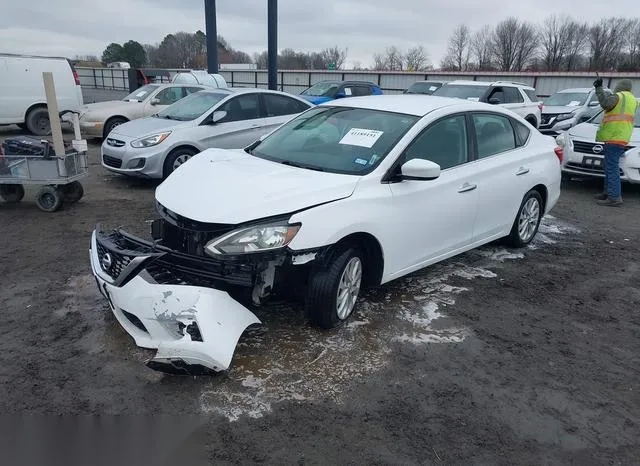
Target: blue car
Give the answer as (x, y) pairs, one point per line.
(325, 91)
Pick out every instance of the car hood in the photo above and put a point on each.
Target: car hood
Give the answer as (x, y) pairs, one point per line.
(555, 110)
(148, 126)
(108, 107)
(587, 131)
(233, 187)
(316, 99)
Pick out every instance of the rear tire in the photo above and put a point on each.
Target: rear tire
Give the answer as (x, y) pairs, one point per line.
(333, 291)
(49, 199)
(112, 123)
(22, 126)
(72, 192)
(525, 226)
(176, 158)
(37, 121)
(11, 193)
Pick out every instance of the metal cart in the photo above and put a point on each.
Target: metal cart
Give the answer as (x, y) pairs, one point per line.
(58, 175)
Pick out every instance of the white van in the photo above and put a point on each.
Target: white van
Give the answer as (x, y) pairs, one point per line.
(22, 96)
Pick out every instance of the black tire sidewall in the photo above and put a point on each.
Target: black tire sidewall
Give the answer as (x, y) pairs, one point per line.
(514, 236)
(11, 193)
(171, 158)
(49, 190)
(31, 120)
(112, 123)
(321, 302)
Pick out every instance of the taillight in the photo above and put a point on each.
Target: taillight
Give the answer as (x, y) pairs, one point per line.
(559, 153)
(76, 76)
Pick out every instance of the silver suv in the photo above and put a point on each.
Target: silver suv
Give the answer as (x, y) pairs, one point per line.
(567, 108)
(517, 97)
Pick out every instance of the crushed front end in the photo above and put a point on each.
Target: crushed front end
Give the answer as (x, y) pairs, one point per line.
(170, 295)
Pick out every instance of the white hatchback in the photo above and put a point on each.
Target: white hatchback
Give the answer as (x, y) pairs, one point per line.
(355, 192)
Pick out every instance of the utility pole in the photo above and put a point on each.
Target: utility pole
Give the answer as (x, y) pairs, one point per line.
(272, 32)
(212, 35)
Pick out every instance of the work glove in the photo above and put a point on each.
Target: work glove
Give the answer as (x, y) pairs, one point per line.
(597, 82)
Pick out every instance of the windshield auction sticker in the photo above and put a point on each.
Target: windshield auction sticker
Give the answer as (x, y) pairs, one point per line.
(361, 137)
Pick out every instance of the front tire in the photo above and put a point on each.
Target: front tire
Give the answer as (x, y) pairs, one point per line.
(333, 291)
(176, 158)
(525, 226)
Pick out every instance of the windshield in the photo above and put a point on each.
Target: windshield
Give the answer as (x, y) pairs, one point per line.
(461, 91)
(191, 107)
(142, 93)
(597, 119)
(423, 88)
(321, 90)
(336, 139)
(566, 99)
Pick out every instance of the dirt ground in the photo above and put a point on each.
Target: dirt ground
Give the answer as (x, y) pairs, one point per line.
(494, 357)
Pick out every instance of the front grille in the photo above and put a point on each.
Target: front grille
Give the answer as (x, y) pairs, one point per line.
(547, 119)
(118, 261)
(115, 142)
(190, 270)
(584, 147)
(112, 161)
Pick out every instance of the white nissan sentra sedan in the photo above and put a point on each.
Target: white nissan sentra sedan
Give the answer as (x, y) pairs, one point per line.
(352, 193)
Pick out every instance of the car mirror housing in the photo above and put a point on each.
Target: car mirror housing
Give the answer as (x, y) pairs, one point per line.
(155, 102)
(595, 103)
(340, 95)
(420, 169)
(494, 101)
(218, 116)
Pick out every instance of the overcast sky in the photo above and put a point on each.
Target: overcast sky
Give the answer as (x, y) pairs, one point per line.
(70, 27)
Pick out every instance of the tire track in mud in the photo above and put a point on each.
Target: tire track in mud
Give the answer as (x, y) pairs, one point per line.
(287, 360)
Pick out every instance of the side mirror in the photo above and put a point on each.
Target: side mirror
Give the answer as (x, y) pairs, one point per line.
(595, 103)
(340, 95)
(583, 118)
(155, 102)
(494, 101)
(217, 116)
(420, 169)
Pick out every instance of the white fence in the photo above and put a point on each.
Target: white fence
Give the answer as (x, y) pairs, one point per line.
(295, 82)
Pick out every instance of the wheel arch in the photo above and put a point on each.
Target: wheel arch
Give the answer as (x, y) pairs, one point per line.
(544, 193)
(373, 254)
(111, 118)
(33, 107)
(532, 119)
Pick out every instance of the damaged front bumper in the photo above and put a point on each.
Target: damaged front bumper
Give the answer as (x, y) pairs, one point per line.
(173, 302)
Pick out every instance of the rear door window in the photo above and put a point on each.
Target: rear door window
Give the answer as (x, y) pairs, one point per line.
(512, 95)
(242, 107)
(278, 105)
(494, 134)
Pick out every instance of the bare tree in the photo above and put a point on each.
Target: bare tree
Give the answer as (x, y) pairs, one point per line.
(391, 60)
(416, 58)
(632, 62)
(481, 48)
(577, 37)
(458, 50)
(334, 55)
(526, 46)
(379, 63)
(554, 40)
(606, 41)
(505, 43)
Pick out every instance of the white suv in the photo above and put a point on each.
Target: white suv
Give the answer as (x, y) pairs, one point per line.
(517, 97)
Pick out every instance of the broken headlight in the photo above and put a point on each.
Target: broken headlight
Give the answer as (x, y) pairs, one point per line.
(253, 239)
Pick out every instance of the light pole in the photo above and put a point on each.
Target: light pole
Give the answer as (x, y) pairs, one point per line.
(212, 35)
(272, 39)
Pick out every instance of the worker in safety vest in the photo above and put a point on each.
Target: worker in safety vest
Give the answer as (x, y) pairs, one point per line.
(615, 132)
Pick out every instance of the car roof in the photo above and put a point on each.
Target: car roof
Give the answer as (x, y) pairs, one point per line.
(333, 81)
(410, 104)
(490, 83)
(246, 90)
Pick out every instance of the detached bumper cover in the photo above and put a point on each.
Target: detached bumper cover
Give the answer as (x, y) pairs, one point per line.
(194, 328)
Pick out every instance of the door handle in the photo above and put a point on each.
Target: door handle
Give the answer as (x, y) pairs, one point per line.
(522, 171)
(467, 187)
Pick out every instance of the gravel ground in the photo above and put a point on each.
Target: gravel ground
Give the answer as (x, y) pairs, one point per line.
(494, 357)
